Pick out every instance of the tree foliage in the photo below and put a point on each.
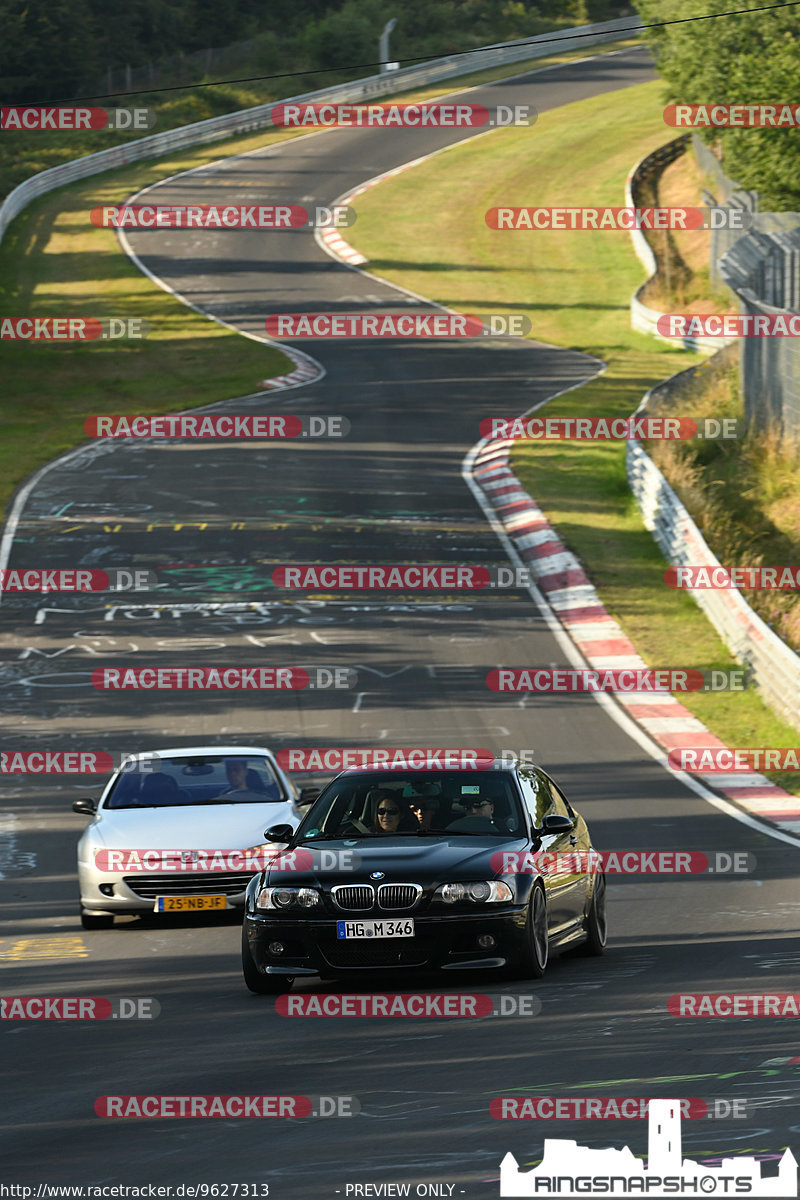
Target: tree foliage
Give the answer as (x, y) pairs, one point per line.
(748, 58)
(52, 49)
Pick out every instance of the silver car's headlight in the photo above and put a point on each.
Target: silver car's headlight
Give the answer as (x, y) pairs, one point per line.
(282, 898)
(485, 892)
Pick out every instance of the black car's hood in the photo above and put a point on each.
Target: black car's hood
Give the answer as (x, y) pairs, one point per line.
(404, 858)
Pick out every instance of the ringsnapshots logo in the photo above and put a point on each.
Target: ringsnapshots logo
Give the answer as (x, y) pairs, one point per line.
(403, 115)
(225, 679)
(77, 579)
(343, 326)
(221, 216)
(72, 119)
(567, 1169)
(409, 1004)
(613, 217)
(246, 427)
(610, 429)
(550, 680)
(72, 329)
(78, 1008)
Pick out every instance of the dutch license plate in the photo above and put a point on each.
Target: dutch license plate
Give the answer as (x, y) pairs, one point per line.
(376, 929)
(189, 903)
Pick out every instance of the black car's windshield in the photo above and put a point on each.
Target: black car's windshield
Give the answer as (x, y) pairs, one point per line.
(382, 803)
(206, 779)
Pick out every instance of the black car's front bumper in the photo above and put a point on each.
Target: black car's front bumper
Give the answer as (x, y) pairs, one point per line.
(441, 942)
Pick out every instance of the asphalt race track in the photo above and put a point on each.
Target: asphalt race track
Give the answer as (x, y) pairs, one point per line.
(392, 491)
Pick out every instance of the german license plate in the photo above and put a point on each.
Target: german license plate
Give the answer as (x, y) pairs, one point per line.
(189, 903)
(375, 929)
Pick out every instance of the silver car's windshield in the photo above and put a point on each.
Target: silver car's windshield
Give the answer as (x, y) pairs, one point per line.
(381, 803)
(206, 779)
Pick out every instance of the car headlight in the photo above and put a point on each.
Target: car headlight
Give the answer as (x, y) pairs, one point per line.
(485, 892)
(287, 897)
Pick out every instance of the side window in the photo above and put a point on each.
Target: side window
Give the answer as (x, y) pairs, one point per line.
(560, 802)
(536, 795)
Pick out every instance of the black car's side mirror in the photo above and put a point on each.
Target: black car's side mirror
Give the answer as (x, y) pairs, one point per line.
(557, 823)
(279, 833)
(308, 795)
(87, 807)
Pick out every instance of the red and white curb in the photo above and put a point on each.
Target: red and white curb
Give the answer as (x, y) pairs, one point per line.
(332, 241)
(307, 370)
(339, 248)
(561, 578)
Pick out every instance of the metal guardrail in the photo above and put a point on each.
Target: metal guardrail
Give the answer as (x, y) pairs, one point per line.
(259, 117)
(645, 319)
(773, 666)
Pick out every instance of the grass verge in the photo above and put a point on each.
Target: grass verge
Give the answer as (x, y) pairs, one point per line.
(575, 287)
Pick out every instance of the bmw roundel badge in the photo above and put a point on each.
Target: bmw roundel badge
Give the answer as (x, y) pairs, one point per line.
(377, 875)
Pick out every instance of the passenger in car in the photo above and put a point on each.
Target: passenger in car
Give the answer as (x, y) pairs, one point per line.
(478, 816)
(393, 815)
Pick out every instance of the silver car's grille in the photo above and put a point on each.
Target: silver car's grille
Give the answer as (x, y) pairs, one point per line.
(355, 897)
(398, 895)
(216, 883)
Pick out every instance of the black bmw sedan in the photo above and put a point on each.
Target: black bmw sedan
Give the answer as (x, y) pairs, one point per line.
(397, 871)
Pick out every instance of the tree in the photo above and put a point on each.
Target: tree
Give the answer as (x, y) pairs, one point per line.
(748, 58)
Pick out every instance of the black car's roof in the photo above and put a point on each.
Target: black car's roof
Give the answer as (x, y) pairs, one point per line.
(499, 765)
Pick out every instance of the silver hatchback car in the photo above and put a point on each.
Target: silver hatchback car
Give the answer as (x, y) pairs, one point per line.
(169, 828)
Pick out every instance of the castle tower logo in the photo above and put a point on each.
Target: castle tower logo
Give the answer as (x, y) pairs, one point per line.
(568, 1169)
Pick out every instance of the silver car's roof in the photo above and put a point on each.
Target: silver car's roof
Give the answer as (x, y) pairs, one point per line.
(193, 751)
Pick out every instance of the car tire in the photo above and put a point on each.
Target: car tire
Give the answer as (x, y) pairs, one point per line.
(262, 985)
(534, 963)
(96, 920)
(596, 921)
